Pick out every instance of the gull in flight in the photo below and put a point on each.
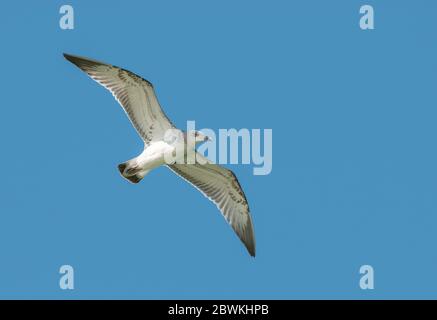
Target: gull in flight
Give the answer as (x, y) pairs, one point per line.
(137, 97)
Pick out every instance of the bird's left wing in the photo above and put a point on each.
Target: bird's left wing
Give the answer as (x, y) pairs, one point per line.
(135, 94)
(221, 186)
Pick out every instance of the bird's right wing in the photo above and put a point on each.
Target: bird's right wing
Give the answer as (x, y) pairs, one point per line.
(221, 186)
(135, 94)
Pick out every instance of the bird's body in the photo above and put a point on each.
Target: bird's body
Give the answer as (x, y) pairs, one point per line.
(153, 156)
(164, 144)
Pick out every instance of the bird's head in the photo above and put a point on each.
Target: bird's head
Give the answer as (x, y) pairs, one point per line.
(197, 136)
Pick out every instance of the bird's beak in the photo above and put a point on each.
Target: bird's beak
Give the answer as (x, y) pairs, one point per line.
(208, 138)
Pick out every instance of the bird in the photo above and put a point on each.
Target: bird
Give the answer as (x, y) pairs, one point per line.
(163, 143)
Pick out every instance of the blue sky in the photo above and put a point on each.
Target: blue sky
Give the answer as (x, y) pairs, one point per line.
(354, 177)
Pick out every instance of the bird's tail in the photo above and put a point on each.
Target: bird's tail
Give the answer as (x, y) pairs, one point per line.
(131, 171)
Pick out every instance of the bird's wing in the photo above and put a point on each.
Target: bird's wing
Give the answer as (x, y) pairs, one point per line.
(135, 94)
(221, 186)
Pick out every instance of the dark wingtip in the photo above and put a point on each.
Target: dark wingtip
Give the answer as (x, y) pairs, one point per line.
(69, 57)
(249, 240)
(82, 62)
(251, 250)
(77, 60)
(74, 59)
